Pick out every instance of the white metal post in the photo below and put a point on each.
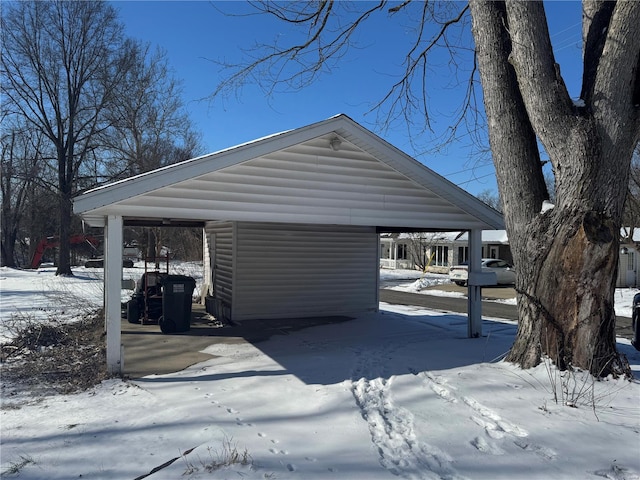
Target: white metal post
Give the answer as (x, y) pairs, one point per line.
(112, 287)
(474, 316)
(377, 277)
(206, 267)
(395, 254)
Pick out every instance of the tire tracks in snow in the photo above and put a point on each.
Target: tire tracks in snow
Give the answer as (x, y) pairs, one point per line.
(391, 426)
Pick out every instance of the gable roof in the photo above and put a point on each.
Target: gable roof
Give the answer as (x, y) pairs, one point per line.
(331, 172)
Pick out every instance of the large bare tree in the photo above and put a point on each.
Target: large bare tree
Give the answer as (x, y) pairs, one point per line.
(60, 62)
(566, 257)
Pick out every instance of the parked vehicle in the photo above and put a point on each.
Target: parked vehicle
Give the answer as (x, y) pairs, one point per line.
(505, 274)
(99, 263)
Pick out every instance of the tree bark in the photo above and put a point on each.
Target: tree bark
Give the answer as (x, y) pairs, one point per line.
(9, 216)
(566, 258)
(64, 251)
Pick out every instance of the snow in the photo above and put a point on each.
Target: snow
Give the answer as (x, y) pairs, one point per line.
(546, 206)
(401, 393)
(41, 294)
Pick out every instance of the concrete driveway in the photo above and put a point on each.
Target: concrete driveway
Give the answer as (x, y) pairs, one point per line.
(148, 351)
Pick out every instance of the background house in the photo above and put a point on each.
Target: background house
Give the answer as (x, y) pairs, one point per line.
(437, 251)
(629, 258)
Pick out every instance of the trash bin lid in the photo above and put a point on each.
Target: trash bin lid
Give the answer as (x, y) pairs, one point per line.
(178, 279)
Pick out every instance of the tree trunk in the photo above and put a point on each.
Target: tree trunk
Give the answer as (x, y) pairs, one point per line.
(65, 158)
(568, 314)
(152, 254)
(566, 258)
(8, 258)
(9, 231)
(64, 252)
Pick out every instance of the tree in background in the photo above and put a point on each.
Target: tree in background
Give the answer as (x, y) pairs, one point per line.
(60, 63)
(566, 257)
(102, 107)
(20, 161)
(150, 128)
(420, 245)
(490, 198)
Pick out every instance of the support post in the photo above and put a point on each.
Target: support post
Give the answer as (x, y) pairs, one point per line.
(206, 268)
(474, 296)
(112, 295)
(395, 254)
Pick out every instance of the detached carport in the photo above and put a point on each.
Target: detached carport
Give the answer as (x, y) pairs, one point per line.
(321, 192)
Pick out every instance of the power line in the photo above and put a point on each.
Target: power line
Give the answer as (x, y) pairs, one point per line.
(476, 178)
(566, 29)
(466, 170)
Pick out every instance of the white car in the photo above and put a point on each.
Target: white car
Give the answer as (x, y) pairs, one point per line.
(505, 274)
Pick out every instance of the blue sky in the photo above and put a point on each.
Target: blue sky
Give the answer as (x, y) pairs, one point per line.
(195, 32)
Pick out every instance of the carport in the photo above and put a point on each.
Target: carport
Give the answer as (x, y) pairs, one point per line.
(316, 195)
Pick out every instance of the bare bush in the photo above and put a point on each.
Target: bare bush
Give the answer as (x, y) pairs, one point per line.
(53, 357)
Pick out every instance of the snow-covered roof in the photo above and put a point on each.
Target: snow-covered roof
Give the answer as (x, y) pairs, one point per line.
(491, 236)
(624, 233)
(331, 172)
(488, 236)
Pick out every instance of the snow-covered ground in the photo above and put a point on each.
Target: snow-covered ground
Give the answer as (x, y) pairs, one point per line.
(29, 294)
(399, 393)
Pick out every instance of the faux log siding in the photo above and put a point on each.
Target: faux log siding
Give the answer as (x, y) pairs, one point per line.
(304, 270)
(224, 238)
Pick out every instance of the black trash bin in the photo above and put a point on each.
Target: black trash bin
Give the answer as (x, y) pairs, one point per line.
(635, 321)
(177, 293)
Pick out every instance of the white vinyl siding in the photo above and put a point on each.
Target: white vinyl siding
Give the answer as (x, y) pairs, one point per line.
(288, 271)
(627, 269)
(297, 177)
(223, 259)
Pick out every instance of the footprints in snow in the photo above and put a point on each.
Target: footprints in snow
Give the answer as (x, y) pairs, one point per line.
(276, 451)
(496, 428)
(291, 467)
(493, 421)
